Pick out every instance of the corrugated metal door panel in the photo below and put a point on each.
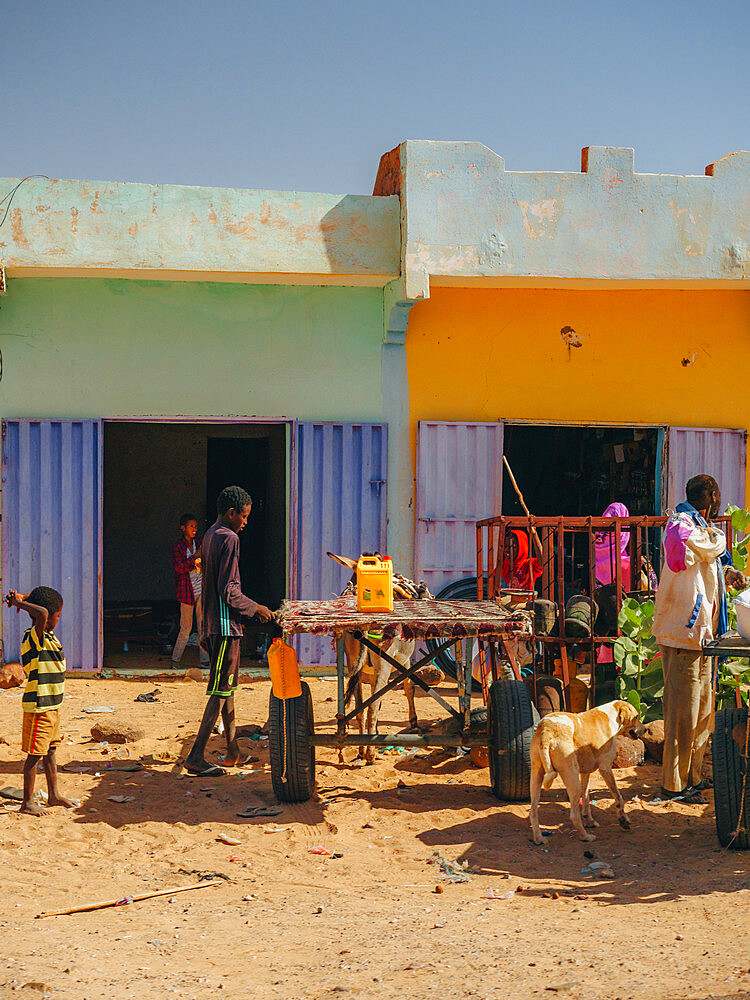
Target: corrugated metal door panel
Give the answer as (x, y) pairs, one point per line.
(340, 507)
(714, 452)
(459, 481)
(52, 478)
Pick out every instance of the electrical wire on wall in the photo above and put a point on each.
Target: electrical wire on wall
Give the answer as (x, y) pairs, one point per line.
(12, 193)
(9, 198)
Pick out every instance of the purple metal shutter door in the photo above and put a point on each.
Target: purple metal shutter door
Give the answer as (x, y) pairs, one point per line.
(717, 453)
(51, 532)
(341, 508)
(459, 481)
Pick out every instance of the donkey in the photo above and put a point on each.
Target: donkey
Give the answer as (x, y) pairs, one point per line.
(358, 657)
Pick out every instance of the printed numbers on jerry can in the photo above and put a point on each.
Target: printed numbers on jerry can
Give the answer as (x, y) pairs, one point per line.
(374, 583)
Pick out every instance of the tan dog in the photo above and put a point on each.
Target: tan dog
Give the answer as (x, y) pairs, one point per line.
(574, 746)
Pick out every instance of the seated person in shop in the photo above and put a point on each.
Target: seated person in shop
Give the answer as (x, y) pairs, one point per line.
(519, 571)
(606, 563)
(605, 575)
(691, 609)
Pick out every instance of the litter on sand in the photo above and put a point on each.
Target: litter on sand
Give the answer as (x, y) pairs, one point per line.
(15, 794)
(232, 841)
(320, 850)
(252, 811)
(148, 695)
(600, 868)
(99, 709)
(74, 768)
(276, 829)
(121, 798)
(491, 894)
(452, 871)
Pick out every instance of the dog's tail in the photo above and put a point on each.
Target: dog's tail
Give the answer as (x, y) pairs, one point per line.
(549, 771)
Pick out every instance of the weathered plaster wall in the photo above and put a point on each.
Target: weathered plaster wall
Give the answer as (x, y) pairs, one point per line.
(216, 234)
(465, 217)
(490, 354)
(87, 347)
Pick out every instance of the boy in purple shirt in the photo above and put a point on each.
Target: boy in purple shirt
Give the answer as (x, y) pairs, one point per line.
(224, 606)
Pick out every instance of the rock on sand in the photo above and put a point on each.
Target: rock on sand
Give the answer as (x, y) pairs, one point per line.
(117, 732)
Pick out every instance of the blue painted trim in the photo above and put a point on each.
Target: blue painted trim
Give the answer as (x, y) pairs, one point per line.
(659, 486)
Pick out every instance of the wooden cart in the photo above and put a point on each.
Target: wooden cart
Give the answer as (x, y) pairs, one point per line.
(510, 721)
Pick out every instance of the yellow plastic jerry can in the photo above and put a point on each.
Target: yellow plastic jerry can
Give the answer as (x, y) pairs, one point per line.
(374, 584)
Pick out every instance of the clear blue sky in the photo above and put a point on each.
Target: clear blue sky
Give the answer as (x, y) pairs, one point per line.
(307, 95)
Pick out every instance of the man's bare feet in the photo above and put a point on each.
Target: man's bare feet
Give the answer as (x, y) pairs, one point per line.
(32, 809)
(60, 800)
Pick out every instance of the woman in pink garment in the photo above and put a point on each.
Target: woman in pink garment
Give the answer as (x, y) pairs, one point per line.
(606, 565)
(605, 549)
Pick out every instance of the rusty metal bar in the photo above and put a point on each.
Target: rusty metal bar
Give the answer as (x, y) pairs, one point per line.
(592, 587)
(618, 565)
(493, 665)
(480, 568)
(341, 707)
(581, 522)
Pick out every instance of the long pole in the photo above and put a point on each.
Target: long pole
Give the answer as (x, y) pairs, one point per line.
(134, 899)
(535, 536)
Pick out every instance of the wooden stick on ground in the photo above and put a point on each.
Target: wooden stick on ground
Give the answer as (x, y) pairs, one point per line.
(535, 536)
(132, 899)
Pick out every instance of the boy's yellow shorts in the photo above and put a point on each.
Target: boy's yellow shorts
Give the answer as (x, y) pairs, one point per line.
(41, 731)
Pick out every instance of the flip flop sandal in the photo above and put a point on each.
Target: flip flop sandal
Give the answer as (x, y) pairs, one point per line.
(212, 771)
(250, 759)
(260, 811)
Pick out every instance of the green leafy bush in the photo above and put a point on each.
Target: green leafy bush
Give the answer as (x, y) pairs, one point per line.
(640, 680)
(740, 537)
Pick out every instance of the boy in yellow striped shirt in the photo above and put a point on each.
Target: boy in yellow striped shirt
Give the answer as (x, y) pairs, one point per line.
(43, 660)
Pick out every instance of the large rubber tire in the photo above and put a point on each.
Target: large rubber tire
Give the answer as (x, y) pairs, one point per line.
(729, 767)
(299, 754)
(512, 721)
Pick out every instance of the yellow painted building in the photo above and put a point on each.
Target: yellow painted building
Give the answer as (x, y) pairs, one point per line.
(593, 327)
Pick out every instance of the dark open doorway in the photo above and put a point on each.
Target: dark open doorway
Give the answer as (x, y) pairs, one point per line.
(578, 471)
(155, 472)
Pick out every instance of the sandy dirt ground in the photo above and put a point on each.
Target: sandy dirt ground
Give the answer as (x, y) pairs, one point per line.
(674, 922)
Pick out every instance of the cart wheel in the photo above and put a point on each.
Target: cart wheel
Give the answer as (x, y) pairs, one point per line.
(549, 693)
(729, 765)
(289, 744)
(512, 721)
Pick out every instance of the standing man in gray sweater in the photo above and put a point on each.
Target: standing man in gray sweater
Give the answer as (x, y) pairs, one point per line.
(224, 607)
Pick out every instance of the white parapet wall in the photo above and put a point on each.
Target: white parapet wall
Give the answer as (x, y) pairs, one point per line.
(467, 220)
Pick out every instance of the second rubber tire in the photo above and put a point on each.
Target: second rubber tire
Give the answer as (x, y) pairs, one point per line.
(290, 746)
(729, 766)
(512, 720)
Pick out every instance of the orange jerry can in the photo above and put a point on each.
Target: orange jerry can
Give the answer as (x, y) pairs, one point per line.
(282, 663)
(374, 584)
